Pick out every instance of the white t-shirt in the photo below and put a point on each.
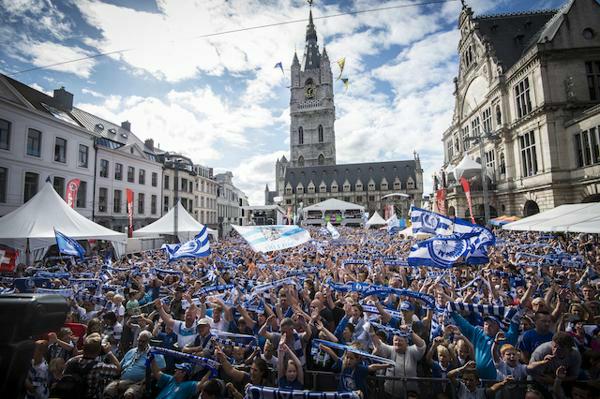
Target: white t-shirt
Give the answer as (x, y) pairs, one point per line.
(222, 325)
(184, 334)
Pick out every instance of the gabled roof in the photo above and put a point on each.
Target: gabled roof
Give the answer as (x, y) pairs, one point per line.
(353, 172)
(333, 204)
(511, 34)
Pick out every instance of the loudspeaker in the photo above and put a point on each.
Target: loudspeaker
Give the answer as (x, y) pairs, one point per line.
(24, 316)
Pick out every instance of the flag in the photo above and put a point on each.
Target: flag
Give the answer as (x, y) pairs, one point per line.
(280, 66)
(341, 63)
(424, 221)
(130, 212)
(8, 260)
(393, 225)
(334, 233)
(273, 238)
(170, 249)
(198, 247)
(346, 83)
(467, 189)
(440, 200)
(72, 188)
(67, 245)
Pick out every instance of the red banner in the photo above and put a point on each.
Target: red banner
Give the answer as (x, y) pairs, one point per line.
(8, 260)
(467, 188)
(130, 211)
(440, 200)
(72, 188)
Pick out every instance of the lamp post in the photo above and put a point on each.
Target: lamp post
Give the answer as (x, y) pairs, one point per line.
(479, 140)
(175, 162)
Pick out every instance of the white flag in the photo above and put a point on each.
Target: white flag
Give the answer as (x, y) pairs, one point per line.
(273, 238)
(334, 233)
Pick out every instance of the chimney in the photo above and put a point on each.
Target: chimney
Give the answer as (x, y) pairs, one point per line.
(63, 99)
(149, 143)
(126, 125)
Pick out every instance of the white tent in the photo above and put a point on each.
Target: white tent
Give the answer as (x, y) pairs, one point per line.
(333, 204)
(376, 220)
(577, 218)
(467, 167)
(34, 222)
(187, 226)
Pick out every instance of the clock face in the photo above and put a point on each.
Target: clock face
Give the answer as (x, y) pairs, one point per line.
(309, 92)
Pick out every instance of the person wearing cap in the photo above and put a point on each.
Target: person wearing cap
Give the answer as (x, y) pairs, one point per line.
(186, 330)
(483, 338)
(405, 356)
(202, 344)
(176, 386)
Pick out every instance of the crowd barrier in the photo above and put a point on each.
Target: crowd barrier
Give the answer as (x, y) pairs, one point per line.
(434, 388)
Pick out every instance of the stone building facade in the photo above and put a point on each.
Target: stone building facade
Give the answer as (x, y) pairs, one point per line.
(205, 196)
(533, 81)
(312, 174)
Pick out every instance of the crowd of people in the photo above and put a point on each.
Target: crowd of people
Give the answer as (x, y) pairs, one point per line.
(345, 315)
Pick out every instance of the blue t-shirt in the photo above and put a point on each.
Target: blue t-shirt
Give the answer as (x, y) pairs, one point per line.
(295, 385)
(170, 389)
(531, 340)
(134, 365)
(352, 379)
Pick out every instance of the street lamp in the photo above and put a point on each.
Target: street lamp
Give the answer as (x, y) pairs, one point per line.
(479, 140)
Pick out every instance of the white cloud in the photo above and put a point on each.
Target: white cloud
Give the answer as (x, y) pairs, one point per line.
(193, 122)
(254, 172)
(42, 54)
(40, 88)
(91, 93)
(37, 15)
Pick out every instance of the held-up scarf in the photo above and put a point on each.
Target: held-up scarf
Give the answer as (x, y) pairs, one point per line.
(367, 289)
(212, 365)
(316, 342)
(260, 392)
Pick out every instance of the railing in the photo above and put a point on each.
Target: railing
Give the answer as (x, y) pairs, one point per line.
(424, 387)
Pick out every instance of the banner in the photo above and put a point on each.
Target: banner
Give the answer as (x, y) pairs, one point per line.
(334, 233)
(8, 260)
(465, 185)
(72, 188)
(130, 212)
(440, 200)
(393, 225)
(272, 238)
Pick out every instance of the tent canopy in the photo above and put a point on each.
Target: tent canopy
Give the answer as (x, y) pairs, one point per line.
(187, 226)
(333, 204)
(577, 218)
(467, 167)
(376, 220)
(37, 218)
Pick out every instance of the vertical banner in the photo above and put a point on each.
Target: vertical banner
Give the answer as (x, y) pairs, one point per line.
(440, 200)
(289, 216)
(72, 188)
(465, 185)
(130, 212)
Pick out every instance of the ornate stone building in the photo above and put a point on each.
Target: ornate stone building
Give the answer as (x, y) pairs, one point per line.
(312, 174)
(532, 80)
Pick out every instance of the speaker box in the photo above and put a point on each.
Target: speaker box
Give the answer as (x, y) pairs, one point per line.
(24, 316)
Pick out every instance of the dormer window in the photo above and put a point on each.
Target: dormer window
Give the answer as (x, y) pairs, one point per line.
(334, 187)
(112, 130)
(99, 126)
(410, 184)
(397, 185)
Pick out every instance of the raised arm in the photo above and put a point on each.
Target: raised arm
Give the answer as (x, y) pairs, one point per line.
(296, 361)
(236, 375)
(163, 314)
(263, 330)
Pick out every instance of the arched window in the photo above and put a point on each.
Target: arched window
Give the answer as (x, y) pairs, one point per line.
(300, 161)
(321, 159)
(300, 135)
(498, 115)
(320, 133)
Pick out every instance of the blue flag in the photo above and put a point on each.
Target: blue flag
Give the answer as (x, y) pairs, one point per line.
(68, 246)
(424, 221)
(393, 225)
(198, 247)
(280, 66)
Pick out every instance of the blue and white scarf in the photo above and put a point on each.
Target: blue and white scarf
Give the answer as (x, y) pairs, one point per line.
(212, 365)
(316, 342)
(261, 392)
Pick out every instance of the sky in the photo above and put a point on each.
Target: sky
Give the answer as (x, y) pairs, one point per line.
(217, 98)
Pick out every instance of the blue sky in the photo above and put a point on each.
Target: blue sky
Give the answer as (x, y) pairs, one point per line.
(220, 101)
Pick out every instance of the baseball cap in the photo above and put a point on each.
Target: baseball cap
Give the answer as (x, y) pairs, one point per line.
(184, 366)
(203, 321)
(493, 318)
(405, 305)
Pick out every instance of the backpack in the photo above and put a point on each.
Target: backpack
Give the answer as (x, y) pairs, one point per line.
(74, 384)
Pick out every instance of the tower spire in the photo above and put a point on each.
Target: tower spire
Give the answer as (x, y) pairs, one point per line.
(312, 58)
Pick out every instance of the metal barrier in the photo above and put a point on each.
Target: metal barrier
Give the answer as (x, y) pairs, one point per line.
(423, 387)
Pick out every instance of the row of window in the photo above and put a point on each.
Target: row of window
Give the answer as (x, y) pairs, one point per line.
(358, 199)
(301, 134)
(209, 217)
(210, 202)
(410, 185)
(186, 185)
(587, 147)
(118, 175)
(118, 202)
(34, 145)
